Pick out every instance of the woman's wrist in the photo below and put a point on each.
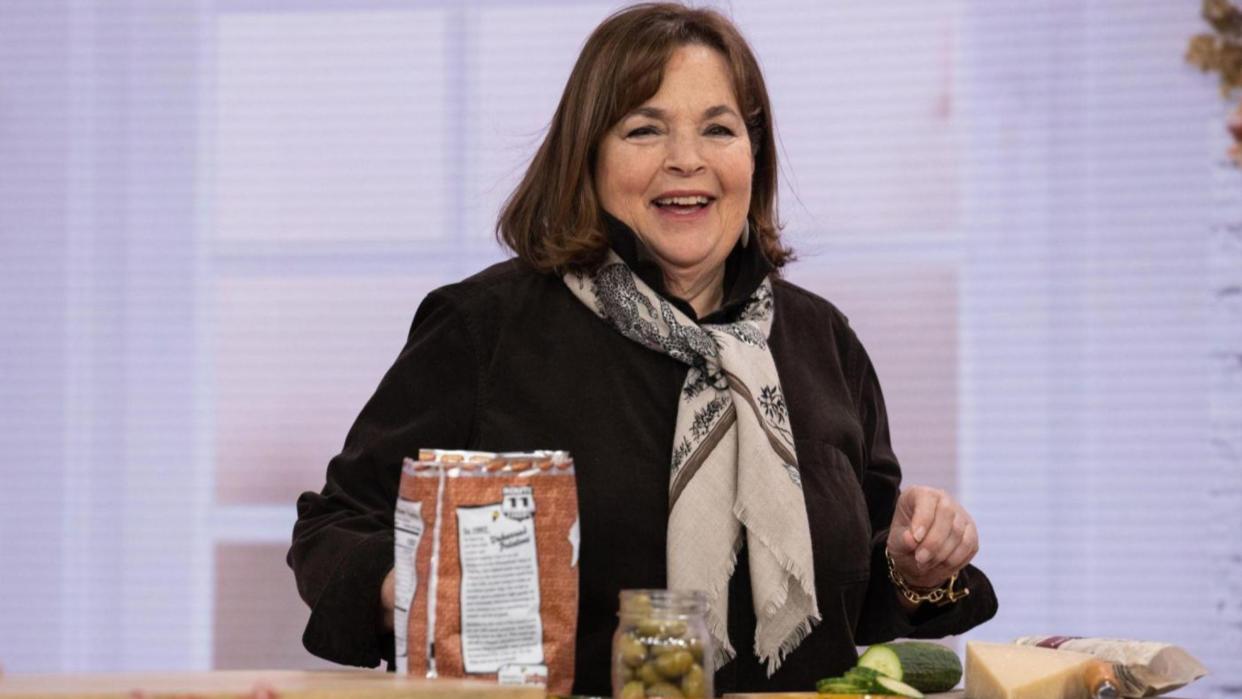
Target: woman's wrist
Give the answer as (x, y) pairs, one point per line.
(946, 592)
(906, 605)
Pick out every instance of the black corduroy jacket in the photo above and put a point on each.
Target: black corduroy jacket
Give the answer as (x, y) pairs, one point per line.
(510, 360)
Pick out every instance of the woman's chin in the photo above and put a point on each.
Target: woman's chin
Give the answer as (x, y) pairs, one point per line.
(682, 263)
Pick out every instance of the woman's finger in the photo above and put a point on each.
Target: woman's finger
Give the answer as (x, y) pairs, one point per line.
(925, 502)
(930, 548)
(951, 540)
(963, 553)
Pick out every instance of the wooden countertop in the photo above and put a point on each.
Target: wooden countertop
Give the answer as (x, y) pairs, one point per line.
(279, 684)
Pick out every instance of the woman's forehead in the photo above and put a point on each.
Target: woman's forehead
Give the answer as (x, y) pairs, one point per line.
(696, 81)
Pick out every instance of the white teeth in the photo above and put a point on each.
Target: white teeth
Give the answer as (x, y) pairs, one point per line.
(682, 201)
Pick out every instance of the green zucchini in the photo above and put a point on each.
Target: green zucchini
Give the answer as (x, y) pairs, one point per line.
(925, 667)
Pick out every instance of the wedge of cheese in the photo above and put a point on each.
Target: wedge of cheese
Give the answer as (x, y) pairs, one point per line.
(1005, 671)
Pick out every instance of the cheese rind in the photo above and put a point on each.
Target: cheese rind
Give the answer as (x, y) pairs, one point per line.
(1004, 671)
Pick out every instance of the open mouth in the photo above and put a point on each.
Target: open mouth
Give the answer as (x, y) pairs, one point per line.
(683, 205)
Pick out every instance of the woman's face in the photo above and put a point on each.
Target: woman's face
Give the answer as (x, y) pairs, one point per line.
(678, 169)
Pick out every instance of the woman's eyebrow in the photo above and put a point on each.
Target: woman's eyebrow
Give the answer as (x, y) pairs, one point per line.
(657, 113)
(718, 110)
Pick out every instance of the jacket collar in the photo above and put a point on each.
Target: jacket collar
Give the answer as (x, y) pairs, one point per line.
(745, 269)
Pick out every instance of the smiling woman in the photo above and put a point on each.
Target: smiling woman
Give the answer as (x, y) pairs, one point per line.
(641, 71)
(727, 427)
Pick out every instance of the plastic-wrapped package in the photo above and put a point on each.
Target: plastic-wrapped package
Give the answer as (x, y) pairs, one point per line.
(1143, 668)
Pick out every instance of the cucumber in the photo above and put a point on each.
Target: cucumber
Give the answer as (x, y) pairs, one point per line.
(857, 680)
(926, 667)
(862, 676)
(884, 660)
(893, 686)
(840, 685)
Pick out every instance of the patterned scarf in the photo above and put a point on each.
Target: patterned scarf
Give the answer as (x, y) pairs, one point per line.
(734, 470)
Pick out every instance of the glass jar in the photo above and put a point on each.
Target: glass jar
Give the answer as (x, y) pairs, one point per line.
(662, 647)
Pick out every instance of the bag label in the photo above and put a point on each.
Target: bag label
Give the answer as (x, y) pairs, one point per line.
(500, 621)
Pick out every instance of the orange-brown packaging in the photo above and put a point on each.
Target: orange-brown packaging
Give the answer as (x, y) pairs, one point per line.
(487, 557)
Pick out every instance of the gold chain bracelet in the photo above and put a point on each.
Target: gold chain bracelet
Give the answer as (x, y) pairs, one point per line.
(941, 595)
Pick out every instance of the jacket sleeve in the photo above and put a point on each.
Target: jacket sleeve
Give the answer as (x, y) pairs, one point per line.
(883, 618)
(343, 541)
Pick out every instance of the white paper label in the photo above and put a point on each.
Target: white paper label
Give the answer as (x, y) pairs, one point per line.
(500, 622)
(408, 531)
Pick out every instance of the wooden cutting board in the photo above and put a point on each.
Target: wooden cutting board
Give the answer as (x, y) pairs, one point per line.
(349, 684)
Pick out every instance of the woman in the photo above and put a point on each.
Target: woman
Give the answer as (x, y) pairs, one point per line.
(711, 407)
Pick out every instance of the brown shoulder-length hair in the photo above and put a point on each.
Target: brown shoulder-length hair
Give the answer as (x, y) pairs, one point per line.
(552, 220)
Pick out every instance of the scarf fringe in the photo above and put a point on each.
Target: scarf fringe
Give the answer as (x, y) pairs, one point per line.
(794, 572)
(792, 641)
(717, 623)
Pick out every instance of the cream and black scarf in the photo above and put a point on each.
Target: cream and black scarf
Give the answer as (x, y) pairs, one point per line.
(734, 470)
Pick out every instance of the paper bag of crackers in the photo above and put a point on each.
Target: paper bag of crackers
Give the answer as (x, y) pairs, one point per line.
(486, 567)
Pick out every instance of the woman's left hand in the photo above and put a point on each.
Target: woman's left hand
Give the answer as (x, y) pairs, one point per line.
(931, 538)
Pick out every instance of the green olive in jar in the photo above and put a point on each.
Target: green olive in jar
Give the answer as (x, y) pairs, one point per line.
(633, 653)
(674, 629)
(664, 689)
(650, 628)
(633, 690)
(692, 683)
(674, 665)
(639, 605)
(649, 675)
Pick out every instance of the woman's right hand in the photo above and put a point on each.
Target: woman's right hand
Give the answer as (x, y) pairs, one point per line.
(388, 598)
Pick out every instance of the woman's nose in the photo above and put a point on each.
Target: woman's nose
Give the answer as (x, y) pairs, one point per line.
(683, 156)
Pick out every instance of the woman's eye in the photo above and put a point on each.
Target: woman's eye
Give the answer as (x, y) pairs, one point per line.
(641, 131)
(718, 130)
